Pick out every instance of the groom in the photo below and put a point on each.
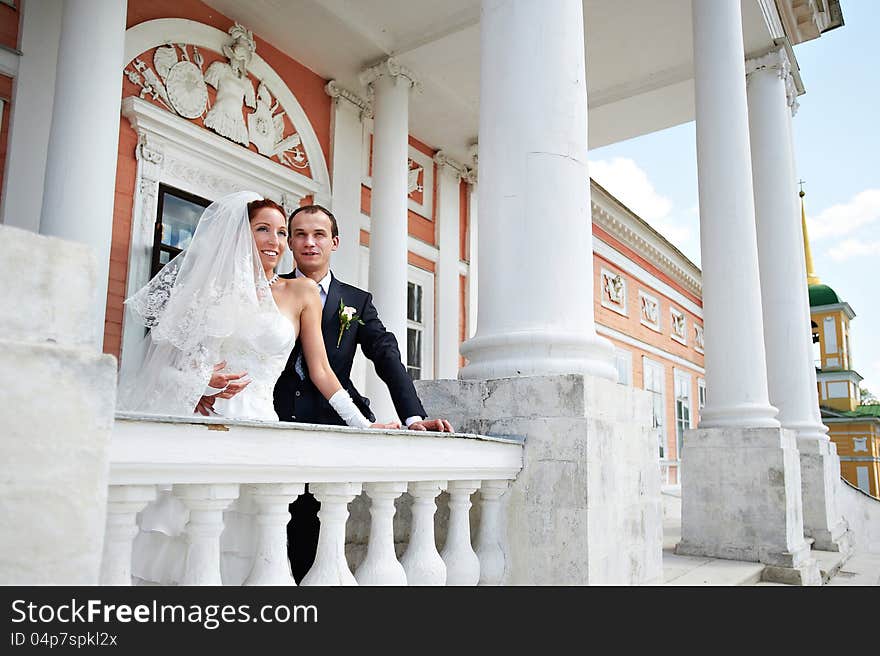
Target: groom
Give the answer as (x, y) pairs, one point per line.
(313, 236)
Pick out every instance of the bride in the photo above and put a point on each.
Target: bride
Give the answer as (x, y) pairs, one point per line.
(219, 308)
(222, 325)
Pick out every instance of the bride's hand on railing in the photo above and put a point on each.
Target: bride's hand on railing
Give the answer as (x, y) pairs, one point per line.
(393, 425)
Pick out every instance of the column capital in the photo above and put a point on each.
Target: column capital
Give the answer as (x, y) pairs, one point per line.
(450, 166)
(778, 61)
(389, 67)
(364, 106)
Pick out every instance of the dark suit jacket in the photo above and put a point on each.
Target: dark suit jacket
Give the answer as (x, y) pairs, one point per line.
(299, 400)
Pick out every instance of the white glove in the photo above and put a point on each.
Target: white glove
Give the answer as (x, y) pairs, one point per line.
(345, 408)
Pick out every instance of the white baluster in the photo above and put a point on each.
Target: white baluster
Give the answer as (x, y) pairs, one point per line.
(124, 502)
(422, 562)
(462, 564)
(206, 504)
(330, 566)
(489, 536)
(271, 566)
(380, 567)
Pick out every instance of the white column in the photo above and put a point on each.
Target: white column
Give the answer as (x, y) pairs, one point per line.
(346, 143)
(473, 264)
(536, 295)
(380, 566)
(489, 535)
(80, 180)
(206, 504)
(736, 374)
(31, 115)
(421, 561)
(791, 374)
(330, 566)
(124, 502)
(391, 84)
(271, 566)
(462, 564)
(447, 300)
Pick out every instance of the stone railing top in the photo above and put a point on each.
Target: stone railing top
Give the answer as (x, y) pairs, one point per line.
(148, 449)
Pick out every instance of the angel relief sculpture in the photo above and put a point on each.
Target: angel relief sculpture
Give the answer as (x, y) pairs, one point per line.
(180, 83)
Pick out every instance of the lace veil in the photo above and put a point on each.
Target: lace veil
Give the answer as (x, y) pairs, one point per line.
(214, 289)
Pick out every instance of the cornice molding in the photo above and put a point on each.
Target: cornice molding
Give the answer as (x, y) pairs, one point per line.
(389, 67)
(633, 232)
(451, 166)
(364, 106)
(778, 61)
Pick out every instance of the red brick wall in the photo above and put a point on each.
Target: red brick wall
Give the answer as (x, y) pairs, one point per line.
(9, 21)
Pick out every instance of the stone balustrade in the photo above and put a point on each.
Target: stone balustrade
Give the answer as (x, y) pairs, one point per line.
(212, 465)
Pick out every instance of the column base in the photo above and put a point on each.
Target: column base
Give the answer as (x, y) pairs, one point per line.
(537, 353)
(820, 477)
(741, 499)
(586, 507)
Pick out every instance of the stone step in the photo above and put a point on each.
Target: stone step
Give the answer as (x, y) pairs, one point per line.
(691, 570)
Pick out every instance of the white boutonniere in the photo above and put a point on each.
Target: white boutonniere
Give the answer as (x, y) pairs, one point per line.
(347, 316)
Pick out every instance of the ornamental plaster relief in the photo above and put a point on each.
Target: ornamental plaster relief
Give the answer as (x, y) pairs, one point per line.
(613, 291)
(251, 104)
(649, 311)
(679, 326)
(699, 344)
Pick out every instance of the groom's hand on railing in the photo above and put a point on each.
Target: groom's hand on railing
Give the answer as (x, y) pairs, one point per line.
(437, 425)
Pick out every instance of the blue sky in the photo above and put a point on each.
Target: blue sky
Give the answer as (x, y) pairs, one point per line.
(837, 146)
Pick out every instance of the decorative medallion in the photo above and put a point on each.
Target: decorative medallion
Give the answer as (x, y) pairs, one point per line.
(187, 90)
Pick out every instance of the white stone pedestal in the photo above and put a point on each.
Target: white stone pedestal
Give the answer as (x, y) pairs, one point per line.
(56, 414)
(586, 508)
(741, 500)
(820, 477)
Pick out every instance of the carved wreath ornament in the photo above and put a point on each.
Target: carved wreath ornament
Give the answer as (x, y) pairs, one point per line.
(179, 82)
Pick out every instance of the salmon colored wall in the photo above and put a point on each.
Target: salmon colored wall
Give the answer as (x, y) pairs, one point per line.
(669, 367)
(645, 264)
(126, 173)
(631, 324)
(417, 225)
(6, 95)
(307, 86)
(411, 258)
(9, 21)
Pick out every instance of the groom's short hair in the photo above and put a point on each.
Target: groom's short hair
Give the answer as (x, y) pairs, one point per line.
(312, 209)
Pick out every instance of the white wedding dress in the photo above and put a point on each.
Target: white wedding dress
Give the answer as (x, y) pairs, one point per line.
(160, 546)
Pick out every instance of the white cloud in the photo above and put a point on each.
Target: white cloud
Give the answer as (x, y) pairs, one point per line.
(850, 248)
(627, 182)
(845, 218)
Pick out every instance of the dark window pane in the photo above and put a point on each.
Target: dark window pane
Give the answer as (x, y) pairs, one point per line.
(177, 215)
(414, 348)
(414, 302)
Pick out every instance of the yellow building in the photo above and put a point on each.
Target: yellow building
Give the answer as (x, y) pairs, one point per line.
(853, 427)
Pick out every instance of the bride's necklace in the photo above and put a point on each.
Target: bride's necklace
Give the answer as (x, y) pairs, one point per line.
(273, 280)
